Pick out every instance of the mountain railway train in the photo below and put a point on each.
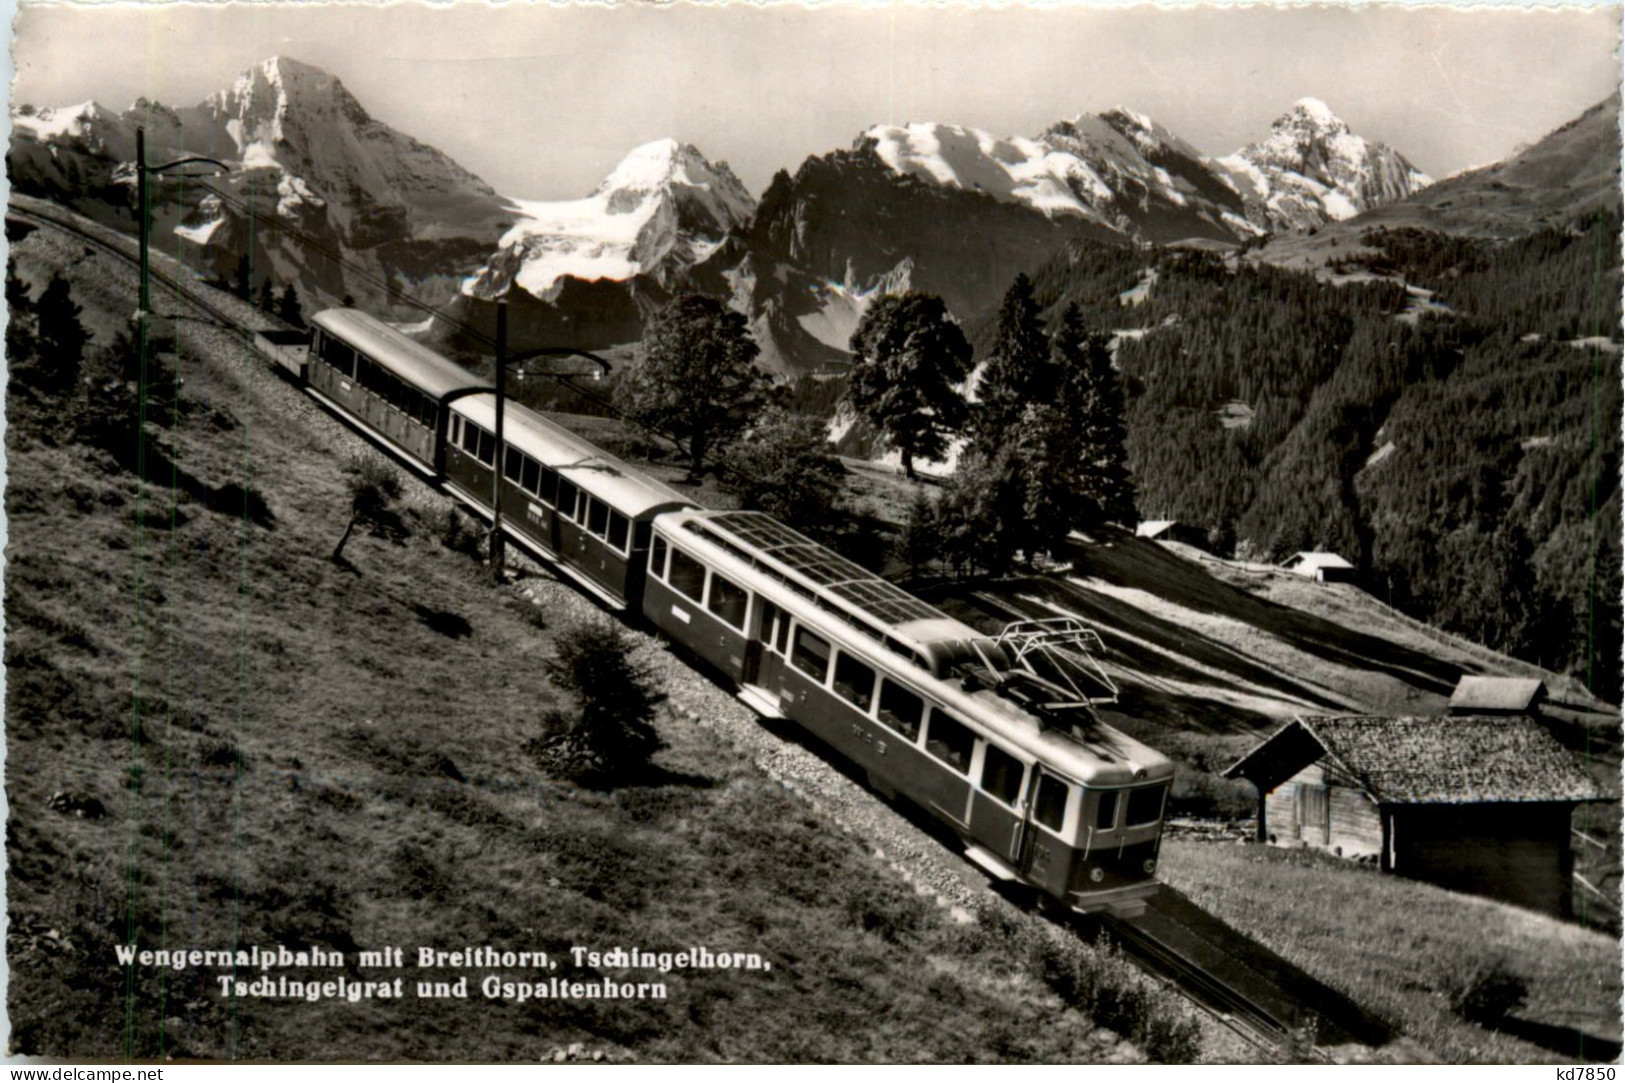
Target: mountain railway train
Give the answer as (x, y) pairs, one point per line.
(995, 737)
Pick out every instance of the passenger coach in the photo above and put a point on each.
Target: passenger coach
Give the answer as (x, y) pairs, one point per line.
(562, 497)
(1017, 765)
(398, 389)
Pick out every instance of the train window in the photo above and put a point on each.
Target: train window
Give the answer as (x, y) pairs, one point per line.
(854, 681)
(488, 449)
(901, 709)
(531, 475)
(597, 518)
(727, 601)
(810, 655)
(657, 558)
(428, 411)
(566, 499)
(687, 575)
(1049, 807)
(471, 437)
(512, 462)
(950, 742)
(1001, 774)
(454, 431)
(549, 490)
(340, 356)
(617, 531)
(781, 638)
(1106, 811)
(1144, 806)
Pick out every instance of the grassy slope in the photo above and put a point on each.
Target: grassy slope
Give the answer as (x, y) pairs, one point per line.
(1391, 944)
(315, 764)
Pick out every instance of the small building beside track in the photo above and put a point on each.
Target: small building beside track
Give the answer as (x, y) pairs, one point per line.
(1478, 804)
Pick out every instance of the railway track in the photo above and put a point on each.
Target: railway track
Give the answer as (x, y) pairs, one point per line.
(1229, 1007)
(123, 248)
(1232, 1009)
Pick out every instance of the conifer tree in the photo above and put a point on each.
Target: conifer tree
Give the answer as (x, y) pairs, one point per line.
(1091, 399)
(288, 308)
(242, 284)
(265, 299)
(61, 344)
(1017, 370)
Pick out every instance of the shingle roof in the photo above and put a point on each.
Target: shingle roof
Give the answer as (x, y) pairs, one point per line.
(1496, 693)
(1434, 760)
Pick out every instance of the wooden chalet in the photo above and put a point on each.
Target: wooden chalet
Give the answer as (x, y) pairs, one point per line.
(1498, 696)
(1321, 567)
(1477, 804)
(1172, 530)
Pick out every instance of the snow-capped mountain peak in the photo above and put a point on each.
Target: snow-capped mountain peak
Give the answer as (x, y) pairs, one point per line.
(662, 209)
(1312, 168)
(1317, 112)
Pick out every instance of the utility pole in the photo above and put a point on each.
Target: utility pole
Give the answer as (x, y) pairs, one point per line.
(503, 361)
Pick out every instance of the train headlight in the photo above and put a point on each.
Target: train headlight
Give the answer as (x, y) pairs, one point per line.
(1150, 865)
(1097, 874)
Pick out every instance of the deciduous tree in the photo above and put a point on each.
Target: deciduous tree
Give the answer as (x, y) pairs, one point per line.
(697, 381)
(908, 355)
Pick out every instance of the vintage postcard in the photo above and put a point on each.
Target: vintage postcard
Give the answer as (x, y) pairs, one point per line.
(855, 533)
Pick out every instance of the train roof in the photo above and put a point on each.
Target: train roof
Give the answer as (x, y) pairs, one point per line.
(623, 487)
(836, 583)
(1101, 756)
(407, 358)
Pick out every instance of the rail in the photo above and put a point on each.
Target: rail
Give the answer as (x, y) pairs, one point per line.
(1232, 1009)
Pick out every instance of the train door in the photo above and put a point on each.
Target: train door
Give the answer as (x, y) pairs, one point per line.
(764, 649)
(1045, 855)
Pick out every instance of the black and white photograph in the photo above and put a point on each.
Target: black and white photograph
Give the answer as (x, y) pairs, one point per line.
(845, 533)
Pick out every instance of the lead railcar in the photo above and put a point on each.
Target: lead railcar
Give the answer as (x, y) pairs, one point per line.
(992, 736)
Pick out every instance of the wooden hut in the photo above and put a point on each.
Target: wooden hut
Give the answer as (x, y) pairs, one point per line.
(1321, 567)
(1478, 804)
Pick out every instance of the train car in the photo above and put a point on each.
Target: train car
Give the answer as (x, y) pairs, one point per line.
(562, 497)
(397, 389)
(989, 735)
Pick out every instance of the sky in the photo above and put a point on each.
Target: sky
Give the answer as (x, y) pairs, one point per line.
(542, 100)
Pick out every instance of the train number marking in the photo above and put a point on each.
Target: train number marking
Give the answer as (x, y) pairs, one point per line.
(681, 614)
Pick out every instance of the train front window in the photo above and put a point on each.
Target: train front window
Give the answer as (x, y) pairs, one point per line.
(810, 655)
(687, 575)
(1049, 808)
(1145, 806)
(901, 709)
(657, 558)
(727, 601)
(950, 742)
(854, 681)
(1106, 810)
(1001, 774)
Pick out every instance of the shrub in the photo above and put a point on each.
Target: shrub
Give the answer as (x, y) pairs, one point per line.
(1485, 991)
(615, 735)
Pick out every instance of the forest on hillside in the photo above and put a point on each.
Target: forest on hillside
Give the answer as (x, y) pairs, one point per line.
(1464, 458)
